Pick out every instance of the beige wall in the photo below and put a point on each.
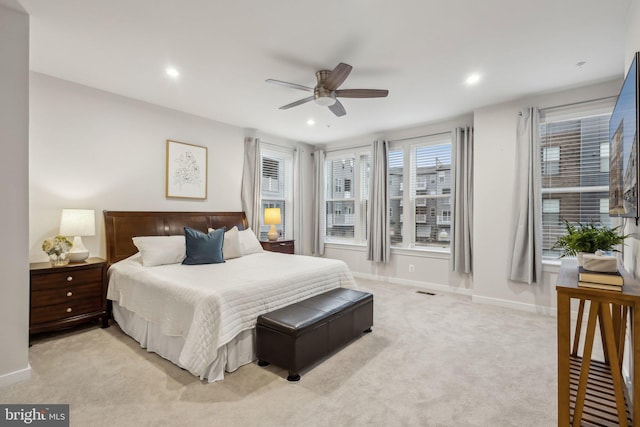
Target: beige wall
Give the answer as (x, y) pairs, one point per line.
(14, 226)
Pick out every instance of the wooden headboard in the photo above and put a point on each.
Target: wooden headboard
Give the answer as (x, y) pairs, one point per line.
(121, 226)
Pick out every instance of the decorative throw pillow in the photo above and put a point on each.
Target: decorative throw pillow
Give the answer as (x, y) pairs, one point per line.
(231, 244)
(160, 250)
(203, 248)
(249, 243)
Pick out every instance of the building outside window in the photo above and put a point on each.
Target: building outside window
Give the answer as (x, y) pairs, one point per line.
(421, 217)
(276, 191)
(574, 166)
(347, 199)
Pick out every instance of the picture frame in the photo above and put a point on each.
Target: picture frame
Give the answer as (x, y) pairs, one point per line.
(186, 172)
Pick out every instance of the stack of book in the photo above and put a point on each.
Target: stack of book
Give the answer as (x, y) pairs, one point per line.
(599, 280)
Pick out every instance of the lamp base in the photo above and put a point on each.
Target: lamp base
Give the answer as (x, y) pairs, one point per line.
(78, 252)
(78, 256)
(272, 235)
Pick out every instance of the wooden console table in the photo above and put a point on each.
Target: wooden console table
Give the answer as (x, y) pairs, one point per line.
(593, 392)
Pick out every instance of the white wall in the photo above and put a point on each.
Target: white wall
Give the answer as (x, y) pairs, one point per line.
(494, 174)
(494, 155)
(96, 150)
(14, 226)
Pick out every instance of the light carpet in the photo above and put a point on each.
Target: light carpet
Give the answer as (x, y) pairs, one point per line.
(436, 360)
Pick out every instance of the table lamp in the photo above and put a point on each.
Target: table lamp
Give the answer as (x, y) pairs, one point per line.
(78, 223)
(272, 217)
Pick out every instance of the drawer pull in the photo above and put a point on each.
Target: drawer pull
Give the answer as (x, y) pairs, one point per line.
(283, 244)
(69, 278)
(68, 309)
(69, 293)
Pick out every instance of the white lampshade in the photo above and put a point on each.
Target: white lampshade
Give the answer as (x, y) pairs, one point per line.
(78, 223)
(272, 217)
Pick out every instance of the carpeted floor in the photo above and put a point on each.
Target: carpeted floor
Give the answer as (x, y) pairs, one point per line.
(431, 361)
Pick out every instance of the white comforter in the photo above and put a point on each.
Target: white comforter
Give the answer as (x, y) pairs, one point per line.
(210, 304)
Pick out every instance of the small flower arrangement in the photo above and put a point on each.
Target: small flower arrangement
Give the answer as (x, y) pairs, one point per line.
(58, 249)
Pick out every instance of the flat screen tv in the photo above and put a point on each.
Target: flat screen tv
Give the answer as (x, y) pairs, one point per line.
(623, 148)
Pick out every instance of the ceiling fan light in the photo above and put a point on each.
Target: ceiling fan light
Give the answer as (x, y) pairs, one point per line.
(325, 101)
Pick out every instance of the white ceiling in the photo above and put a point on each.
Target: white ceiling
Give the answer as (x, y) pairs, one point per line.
(420, 50)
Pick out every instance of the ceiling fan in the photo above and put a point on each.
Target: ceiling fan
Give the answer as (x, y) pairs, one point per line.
(326, 91)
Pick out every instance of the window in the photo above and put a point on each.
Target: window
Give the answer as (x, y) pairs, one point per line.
(347, 196)
(424, 166)
(276, 188)
(575, 181)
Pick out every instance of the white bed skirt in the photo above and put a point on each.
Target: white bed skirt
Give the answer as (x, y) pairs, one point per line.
(238, 352)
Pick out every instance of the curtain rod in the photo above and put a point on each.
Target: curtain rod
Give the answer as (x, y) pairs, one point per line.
(278, 145)
(571, 104)
(348, 148)
(420, 136)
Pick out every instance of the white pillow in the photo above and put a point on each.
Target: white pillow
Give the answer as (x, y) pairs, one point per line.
(160, 250)
(231, 244)
(249, 243)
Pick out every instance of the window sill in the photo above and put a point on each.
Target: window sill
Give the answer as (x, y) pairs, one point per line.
(442, 253)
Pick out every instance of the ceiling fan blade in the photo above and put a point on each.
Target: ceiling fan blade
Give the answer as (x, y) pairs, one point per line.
(298, 102)
(362, 93)
(337, 109)
(291, 85)
(337, 76)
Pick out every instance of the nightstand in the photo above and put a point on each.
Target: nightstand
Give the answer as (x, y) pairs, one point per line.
(67, 295)
(283, 246)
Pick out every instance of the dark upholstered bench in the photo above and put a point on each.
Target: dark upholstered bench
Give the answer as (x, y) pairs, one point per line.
(299, 335)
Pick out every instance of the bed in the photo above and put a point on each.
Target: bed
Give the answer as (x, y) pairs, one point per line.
(202, 317)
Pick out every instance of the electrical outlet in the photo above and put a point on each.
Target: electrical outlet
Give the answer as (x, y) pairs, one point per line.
(412, 268)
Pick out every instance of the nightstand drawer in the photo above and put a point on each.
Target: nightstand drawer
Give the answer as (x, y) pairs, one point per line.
(65, 294)
(65, 278)
(63, 311)
(285, 246)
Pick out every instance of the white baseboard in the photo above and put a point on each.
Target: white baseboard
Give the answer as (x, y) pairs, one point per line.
(414, 283)
(14, 377)
(531, 308)
(435, 287)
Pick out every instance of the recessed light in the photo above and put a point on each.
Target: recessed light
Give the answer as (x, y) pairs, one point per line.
(172, 72)
(311, 122)
(473, 79)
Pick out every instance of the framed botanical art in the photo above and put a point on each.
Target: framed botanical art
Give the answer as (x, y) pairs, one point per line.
(186, 171)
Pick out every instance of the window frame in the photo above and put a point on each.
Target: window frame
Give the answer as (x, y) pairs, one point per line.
(357, 199)
(409, 201)
(269, 198)
(589, 174)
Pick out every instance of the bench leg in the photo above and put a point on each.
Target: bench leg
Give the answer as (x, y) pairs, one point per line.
(293, 377)
(263, 363)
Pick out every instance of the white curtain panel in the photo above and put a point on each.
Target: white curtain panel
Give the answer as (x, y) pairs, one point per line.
(250, 192)
(298, 199)
(525, 251)
(319, 209)
(462, 201)
(378, 240)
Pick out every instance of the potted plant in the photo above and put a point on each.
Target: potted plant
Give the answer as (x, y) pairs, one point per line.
(588, 238)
